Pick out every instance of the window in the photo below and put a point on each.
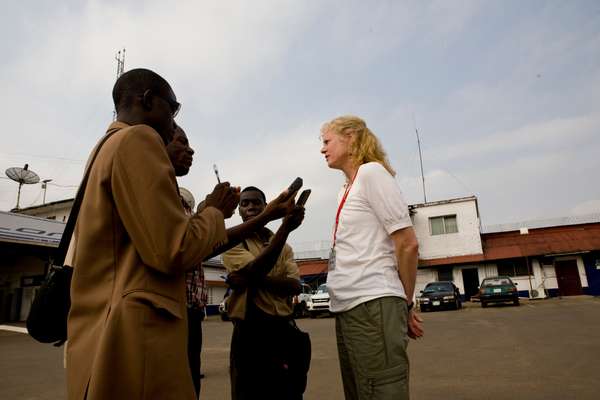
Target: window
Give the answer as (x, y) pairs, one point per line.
(445, 274)
(443, 225)
(513, 267)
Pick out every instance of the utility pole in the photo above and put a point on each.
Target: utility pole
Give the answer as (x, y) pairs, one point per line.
(45, 187)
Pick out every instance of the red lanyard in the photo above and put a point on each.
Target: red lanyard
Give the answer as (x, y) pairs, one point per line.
(337, 215)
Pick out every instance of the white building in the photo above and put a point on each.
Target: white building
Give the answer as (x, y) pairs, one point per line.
(56, 210)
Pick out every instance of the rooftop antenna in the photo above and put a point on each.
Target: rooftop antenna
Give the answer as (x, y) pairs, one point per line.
(23, 176)
(420, 159)
(120, 57)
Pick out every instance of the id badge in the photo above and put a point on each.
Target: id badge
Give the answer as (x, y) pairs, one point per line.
(331, 262)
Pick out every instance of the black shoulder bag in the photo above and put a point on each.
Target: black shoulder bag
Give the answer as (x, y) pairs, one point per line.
(47, 319)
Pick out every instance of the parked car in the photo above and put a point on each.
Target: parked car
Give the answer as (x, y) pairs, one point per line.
(319, 302)
(438, 296)
(301, 301)
(498, 289)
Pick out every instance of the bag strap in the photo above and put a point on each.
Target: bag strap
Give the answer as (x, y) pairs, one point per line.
(65, 240)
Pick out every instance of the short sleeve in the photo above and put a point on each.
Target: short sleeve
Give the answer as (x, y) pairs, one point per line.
(291, 268)
(237, 258)
(385, 197)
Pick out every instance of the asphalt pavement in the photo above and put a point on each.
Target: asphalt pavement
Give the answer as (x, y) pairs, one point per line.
(546, 349)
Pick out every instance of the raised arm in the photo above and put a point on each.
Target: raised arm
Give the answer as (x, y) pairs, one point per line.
(277, 208)
(255, 271)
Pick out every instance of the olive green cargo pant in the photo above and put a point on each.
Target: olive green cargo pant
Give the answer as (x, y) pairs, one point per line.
(372, 340)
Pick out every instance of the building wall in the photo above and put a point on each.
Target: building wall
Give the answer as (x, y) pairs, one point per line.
(59, 212)
(216, 286)
(424, 276)
(466, 241)
(542, 280)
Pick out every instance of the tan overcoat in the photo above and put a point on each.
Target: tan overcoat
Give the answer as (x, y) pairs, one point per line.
(132, 243)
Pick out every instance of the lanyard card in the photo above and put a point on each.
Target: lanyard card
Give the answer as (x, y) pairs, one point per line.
(331, 262)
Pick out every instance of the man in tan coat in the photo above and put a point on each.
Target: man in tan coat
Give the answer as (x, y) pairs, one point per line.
(131, 246)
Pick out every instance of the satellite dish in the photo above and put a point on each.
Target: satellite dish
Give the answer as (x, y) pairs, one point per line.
(23, 176)
(188, 197)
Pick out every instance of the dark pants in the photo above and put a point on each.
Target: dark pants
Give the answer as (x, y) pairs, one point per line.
(259, 365)
(195, 317)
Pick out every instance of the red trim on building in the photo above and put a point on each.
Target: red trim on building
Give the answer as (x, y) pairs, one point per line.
(312, 267)
(503, 245)
(538, 242)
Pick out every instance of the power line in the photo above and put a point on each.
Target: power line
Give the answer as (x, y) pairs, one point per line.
(44, 157)
(63, 186)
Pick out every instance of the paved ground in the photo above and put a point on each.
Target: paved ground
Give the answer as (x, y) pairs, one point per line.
(548, 349)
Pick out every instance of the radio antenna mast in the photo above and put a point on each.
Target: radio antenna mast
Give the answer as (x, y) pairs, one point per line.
(120, 57)
(420, 159)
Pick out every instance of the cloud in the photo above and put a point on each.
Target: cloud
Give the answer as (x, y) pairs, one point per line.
(257, 79)
(552, 134)
(587, 207)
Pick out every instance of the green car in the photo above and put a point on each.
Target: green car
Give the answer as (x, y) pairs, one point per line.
(499, 289)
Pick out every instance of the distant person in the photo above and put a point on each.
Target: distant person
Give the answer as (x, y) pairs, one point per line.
(132, 244)
(372, 266)
(263, 277)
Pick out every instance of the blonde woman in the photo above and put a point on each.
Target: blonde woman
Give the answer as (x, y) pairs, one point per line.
(372, 265)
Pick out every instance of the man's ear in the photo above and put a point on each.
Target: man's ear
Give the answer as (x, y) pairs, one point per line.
(147, 100)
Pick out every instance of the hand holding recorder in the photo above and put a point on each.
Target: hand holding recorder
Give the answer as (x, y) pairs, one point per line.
(225, 198)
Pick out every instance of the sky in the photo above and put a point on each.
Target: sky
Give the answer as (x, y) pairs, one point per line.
(505, 95)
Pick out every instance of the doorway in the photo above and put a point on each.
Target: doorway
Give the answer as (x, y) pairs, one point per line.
(567, 275)
(470, 282)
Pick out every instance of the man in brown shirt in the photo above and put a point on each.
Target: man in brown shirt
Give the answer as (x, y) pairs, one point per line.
(263, 276)
(131, 247)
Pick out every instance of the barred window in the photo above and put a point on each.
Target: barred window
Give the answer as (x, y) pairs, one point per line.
(513, 267)
(443, 225)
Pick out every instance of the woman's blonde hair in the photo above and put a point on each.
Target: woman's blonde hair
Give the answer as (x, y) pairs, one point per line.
(365, 147)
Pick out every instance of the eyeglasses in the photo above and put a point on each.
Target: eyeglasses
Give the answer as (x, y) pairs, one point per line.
(173, 104)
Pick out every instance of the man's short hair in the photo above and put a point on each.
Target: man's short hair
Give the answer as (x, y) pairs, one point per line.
(255, 189)
(134, 83)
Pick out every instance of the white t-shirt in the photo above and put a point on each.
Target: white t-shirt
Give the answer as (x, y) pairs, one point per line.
(365, 265)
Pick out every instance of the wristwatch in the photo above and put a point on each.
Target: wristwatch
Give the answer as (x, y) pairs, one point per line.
(411, 305)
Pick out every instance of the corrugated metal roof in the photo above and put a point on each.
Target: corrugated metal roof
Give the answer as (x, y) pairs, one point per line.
(543, 223)
(25, 229)
(543, 241)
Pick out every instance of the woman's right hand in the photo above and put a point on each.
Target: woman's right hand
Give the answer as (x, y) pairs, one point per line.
(415, 325)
